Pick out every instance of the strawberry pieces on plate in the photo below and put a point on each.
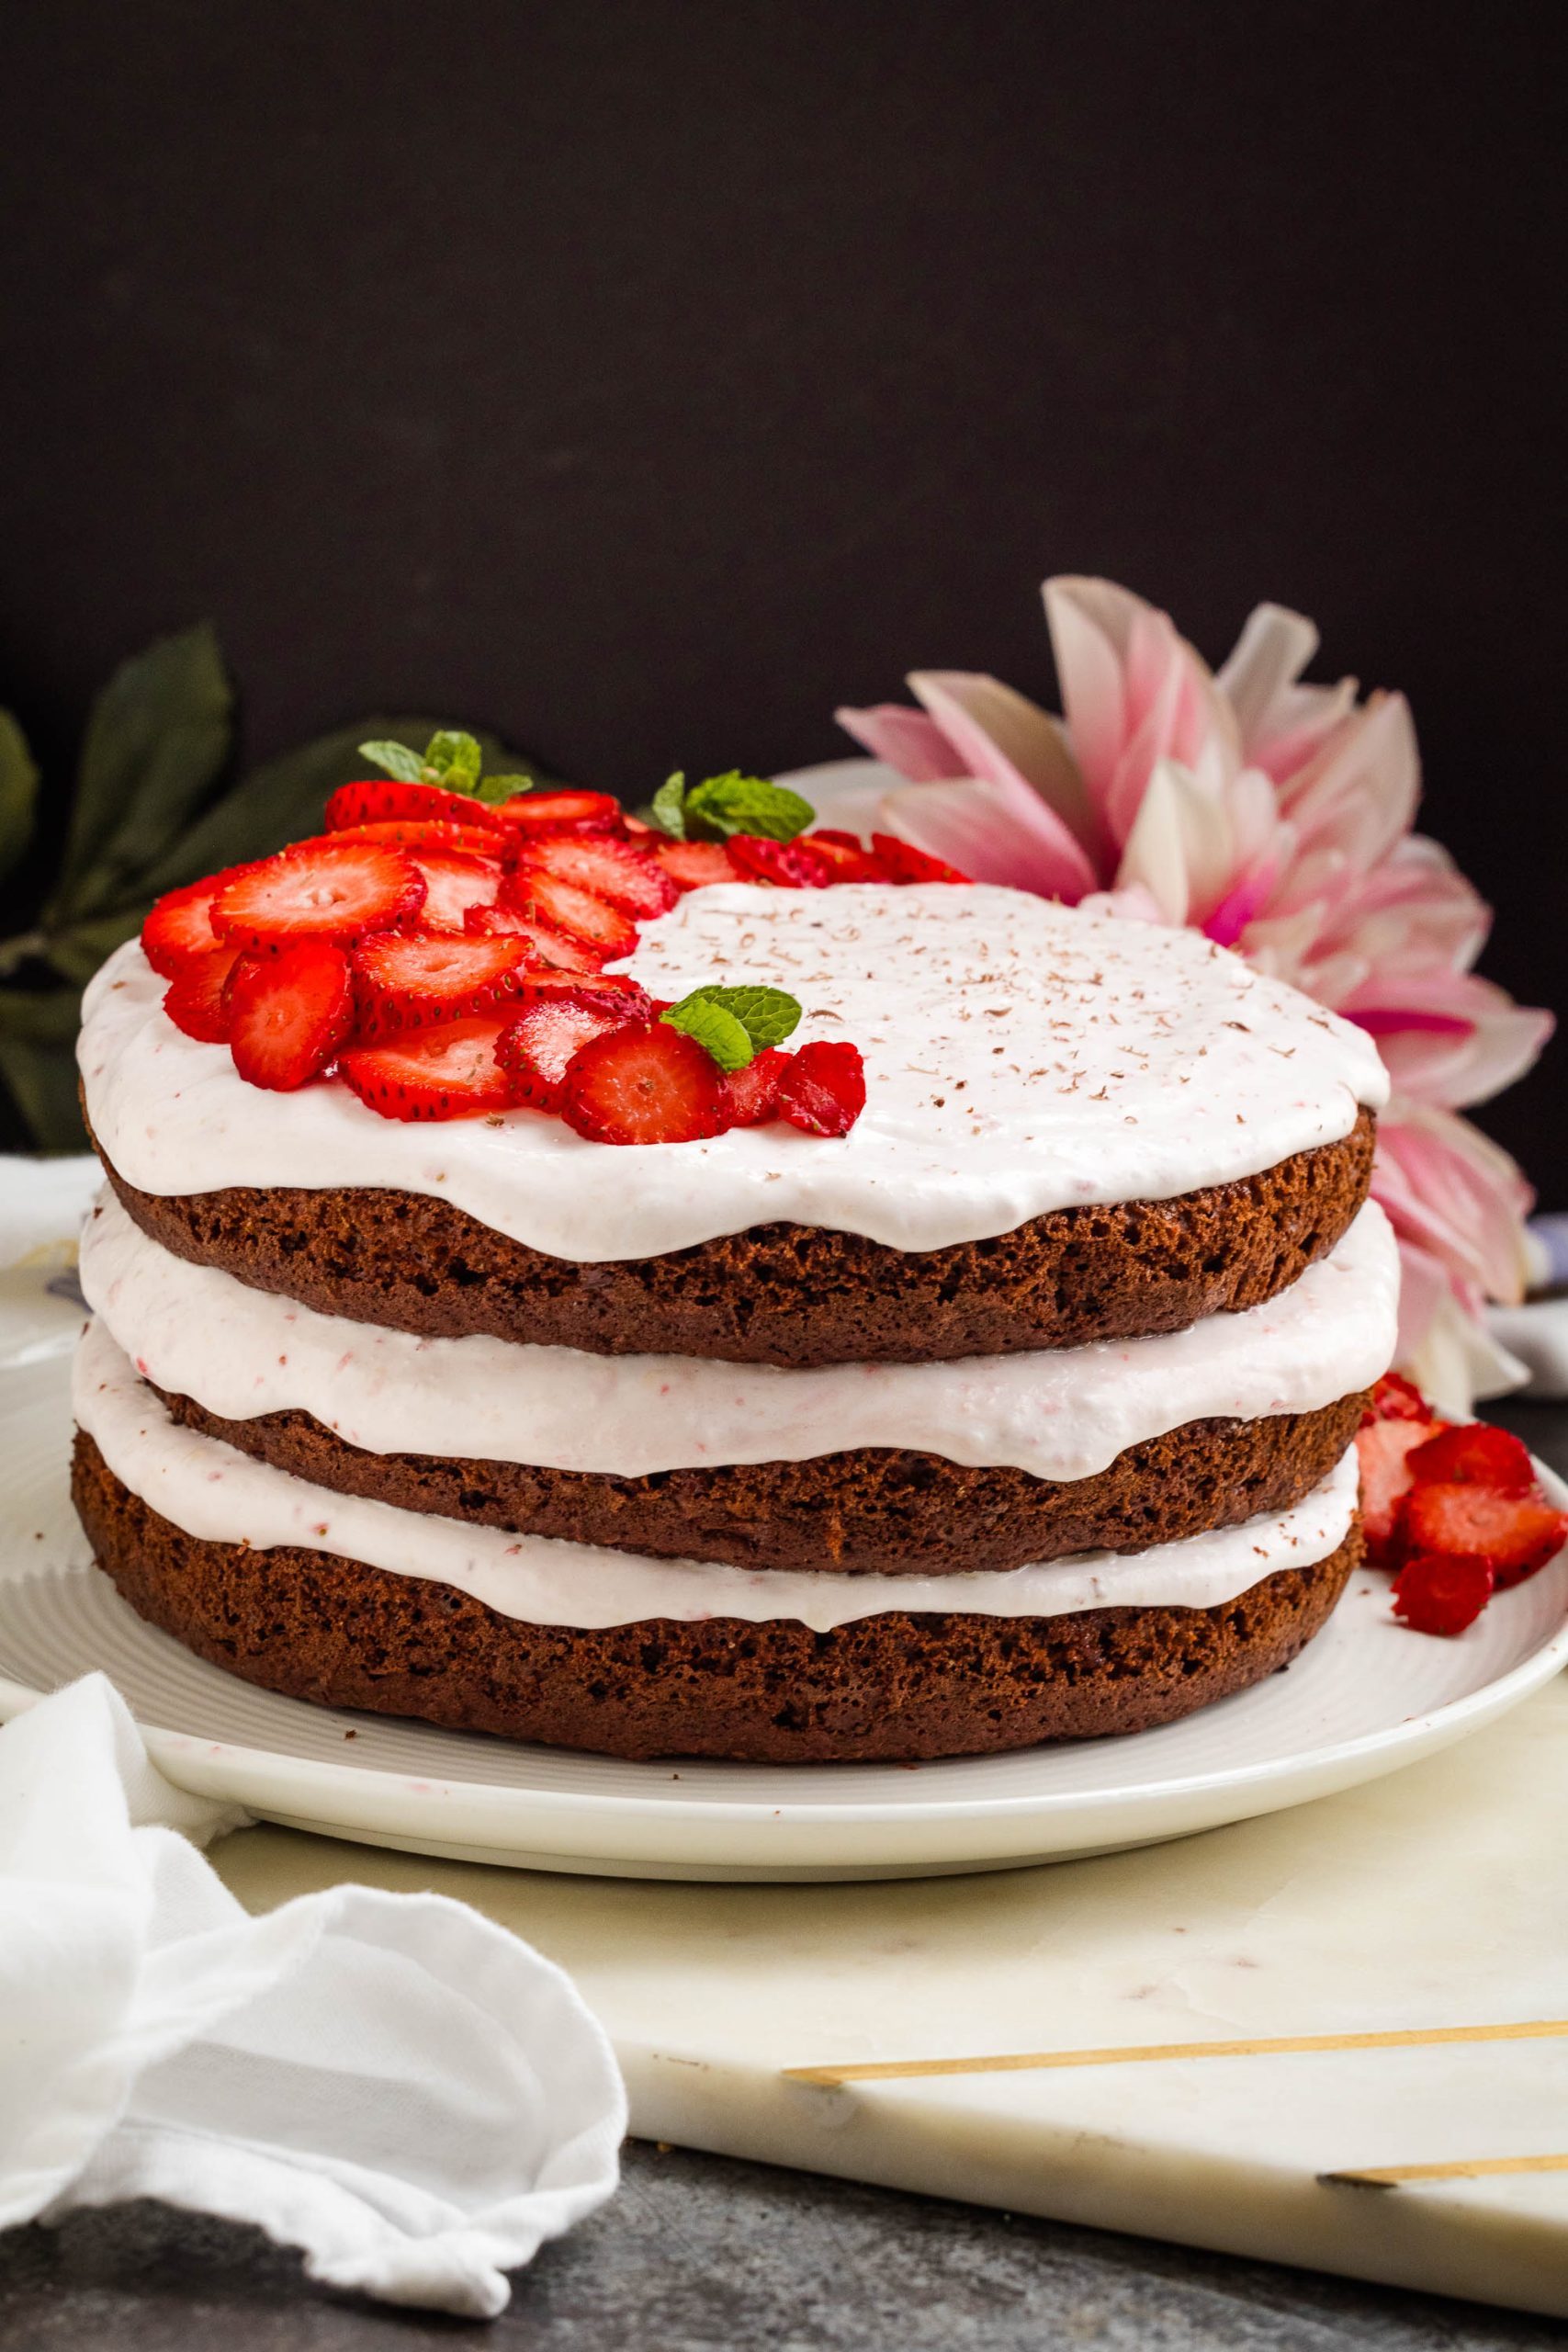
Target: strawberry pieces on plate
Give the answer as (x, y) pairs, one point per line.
(643, 1083)
(449, 1071)
(1436, 1594)
(339, 891)
(178, 929)
(1394, 1398)
(546, 898)
(905, 863)
(613, 870)
(693, 866)
(823, 1091)
(405, 979)
(288, 1012)
(789, 866)
(556, 948)
(750, 1096)
(537, 1048)
(1384, 1449)
(1514, 1533)
(1473, 1454)
(197, 1000)
(383, 800)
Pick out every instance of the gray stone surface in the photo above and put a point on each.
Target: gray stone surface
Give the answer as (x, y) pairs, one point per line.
(698, 2254)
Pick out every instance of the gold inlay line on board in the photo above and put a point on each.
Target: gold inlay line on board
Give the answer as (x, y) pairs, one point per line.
(889, 2070)
(1471, 2168)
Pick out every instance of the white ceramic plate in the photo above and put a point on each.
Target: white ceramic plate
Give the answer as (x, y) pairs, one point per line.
(1366, 1697)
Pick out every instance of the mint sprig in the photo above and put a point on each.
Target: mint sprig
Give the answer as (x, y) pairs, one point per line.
(724, 805)
(735, 1025)
(453, 760)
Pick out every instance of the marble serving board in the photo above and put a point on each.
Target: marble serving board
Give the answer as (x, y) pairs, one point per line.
(1434, 1900)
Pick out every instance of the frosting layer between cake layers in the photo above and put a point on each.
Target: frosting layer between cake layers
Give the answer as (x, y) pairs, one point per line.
(214, 1493)
(1058, 1413)
(1021, 1057)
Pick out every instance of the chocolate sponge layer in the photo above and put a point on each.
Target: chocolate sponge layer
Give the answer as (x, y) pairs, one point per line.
(881, 1509)
(783, 1294)
(890, 1687)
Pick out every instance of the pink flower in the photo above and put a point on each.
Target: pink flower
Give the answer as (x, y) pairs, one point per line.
(1274, 816)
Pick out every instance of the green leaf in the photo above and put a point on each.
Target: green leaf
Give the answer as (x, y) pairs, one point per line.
(400, 760)
(493, 789)
(38, 1062)
(715, 1030)
(18, 792)
(454, 760)
(76, 953)
(668, 810)
(730, 804)
(284, 800)
(156, 741)
(767, 1015)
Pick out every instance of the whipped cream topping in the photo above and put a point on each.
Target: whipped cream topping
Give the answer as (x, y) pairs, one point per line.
(1021, 1057)
(219, 1495)
(1061, 1413)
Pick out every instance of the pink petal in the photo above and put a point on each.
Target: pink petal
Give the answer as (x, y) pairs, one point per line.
(905, 739)
(1448, 1038)
(1282, 723)
(1360, 791)
(1448, 1188)
(995, 830)
(1000, 733)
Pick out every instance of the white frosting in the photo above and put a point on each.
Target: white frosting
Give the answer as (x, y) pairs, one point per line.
(1062, 1413)
(219, 1495)
(1021, 1057)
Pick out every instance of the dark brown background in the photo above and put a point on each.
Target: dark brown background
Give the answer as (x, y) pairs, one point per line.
(644, 380)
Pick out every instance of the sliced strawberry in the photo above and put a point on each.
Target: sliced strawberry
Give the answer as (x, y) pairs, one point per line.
(543, 944)
(644, 1083)
(1384, 1449)
(195, 1001)
(823, 1091)
(1515, 1534)
(905, 863)
(405, 979)
(417, 835)
(789, 866)
(750, 1096)
(382, 799)
(544, 897)
(616, 989)
(1475, 1456)
(624, 876)
(559, 812)
(848, 859)
(537, 1048)
(454, 883)
(1394, 1398)
(325, 889)
(178, 929)
(288, 1012)
(693, 866)
(1437, 1593)
(447, 1072)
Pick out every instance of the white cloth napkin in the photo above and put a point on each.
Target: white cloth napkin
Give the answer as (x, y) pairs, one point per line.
(388, 2081)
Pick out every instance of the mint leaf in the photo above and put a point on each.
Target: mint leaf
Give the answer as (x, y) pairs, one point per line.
(493, 789)
(735, 1025)
(767, 1015)
(397, 760)
(744, 804)
(716, 1031)
(454, 760)
(668, 810)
